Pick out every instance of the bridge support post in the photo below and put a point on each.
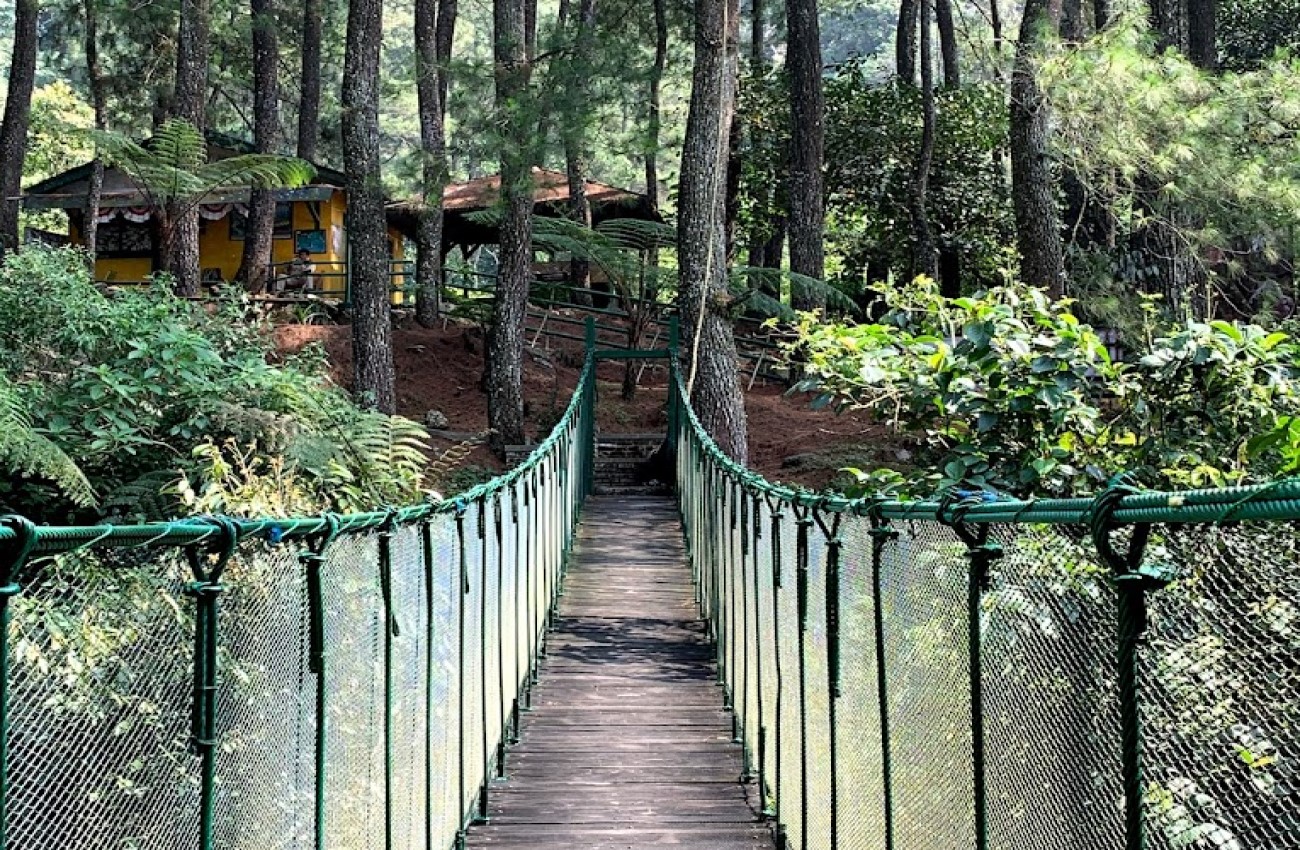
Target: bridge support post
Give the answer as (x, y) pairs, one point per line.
(803, 524)
(12, 559)
(205, 590)
(1133, 580)
(831, 529)
(390, 630)
(882, 534)
(981, 553)
(777, 518)
(313, 560)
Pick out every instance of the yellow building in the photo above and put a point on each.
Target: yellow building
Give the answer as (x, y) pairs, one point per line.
(310, 217)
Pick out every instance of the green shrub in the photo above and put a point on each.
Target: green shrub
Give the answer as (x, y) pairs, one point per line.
(129, 384)
(1009, 391)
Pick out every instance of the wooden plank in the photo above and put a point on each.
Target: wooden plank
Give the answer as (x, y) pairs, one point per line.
(626, 745)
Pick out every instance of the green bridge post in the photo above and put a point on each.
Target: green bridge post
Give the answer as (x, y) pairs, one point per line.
(12, 559)
(205, 589)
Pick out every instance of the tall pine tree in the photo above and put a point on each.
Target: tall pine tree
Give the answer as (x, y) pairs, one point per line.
(372, 348)
(703, 303)
(506, 342)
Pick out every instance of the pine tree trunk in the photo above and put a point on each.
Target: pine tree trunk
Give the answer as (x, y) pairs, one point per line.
(372, 350)
(13, 132)
(577, 157)
(905, 42)
(1178, 273)
(807, 215)
(731, 201)
(1101, 15)
(530, 29)
(98, 103)
(190, 104)
(1167, 18)
(428, 237)
(757, 37)
(309, 102)
(506, 342)
(446, 37)
(1038, 227)
(995, 24)
(255, 266)
(707, 334)
(948, 44)
(1072, 21)
(655, 119)
(1202, 43)
(924, 256)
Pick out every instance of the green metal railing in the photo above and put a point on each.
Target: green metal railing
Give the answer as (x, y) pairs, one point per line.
(336, 681)
(975, 672)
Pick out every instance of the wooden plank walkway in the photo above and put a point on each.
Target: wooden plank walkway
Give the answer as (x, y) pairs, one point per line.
(627, 745)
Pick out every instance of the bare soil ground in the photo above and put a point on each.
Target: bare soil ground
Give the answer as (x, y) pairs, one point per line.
(441, 369)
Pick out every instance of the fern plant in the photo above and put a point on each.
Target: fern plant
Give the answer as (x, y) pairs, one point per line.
(173, 174)
(27, 453)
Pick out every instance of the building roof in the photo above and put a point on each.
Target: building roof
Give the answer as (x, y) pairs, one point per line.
(67, 190)
(460, 201)
(549, 187)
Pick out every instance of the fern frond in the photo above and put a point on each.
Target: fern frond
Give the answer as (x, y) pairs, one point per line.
(151, 497)
(264, 171)
(758, 277)
(638, 235)
(173, 166)
(27, 452)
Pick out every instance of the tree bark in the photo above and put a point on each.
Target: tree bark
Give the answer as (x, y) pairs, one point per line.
(948, 44)
(807, 143)
(1038, 227)
(1101, 14)
(995, 24)
(905, 42)
(190, 104)
(1072, 21)
(655, 119)
(1202, 44)
(446, 37)
(924, 257)
(1167, 18)
(577, 157)
(255, 267)
(757, 38)
(530, 29)
(372, 350)
(506, 341)
(309, 102)
(13, 132)
(709, 344)
(99, 104)
(433, 166)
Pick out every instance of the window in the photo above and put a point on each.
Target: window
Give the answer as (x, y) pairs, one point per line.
(283, 222)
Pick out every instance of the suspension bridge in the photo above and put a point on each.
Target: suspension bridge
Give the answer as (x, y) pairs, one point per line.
(735, 665)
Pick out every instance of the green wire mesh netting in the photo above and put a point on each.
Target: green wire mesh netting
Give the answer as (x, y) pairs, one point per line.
(1221, 690)
(977, 672)
(368, 669)
(99, 705)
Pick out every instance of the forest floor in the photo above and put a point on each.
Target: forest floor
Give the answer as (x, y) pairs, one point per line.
(440, 369)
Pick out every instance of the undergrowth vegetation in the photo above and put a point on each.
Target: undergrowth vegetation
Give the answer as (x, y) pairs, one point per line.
(139, 404)
(1009, 391)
